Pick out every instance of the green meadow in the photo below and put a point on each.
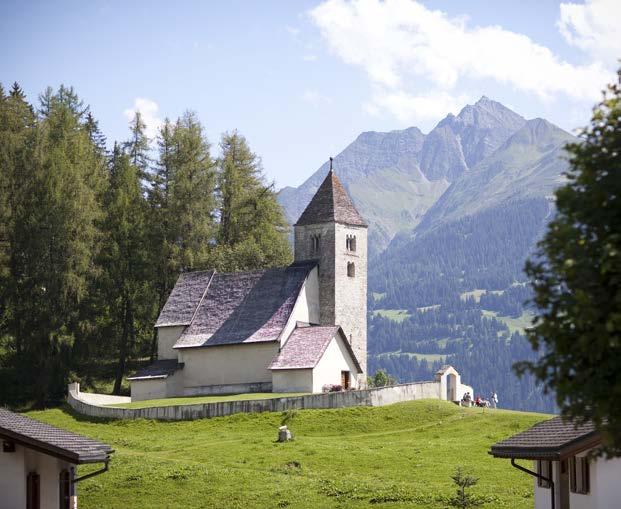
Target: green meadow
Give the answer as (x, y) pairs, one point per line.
(396, 456)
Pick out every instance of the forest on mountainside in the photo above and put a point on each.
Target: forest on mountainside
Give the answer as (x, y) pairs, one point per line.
(466, 297)
(92, 240)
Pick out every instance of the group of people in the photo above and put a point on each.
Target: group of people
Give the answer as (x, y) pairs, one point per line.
(479, 401)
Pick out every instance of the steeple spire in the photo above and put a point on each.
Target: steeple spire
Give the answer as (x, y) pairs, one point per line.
(330, 163)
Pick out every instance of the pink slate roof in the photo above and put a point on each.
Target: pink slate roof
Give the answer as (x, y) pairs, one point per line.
(245, 307)
(306, 346)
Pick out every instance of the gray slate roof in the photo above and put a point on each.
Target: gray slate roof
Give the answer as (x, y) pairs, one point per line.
(306, 346)
(553, 439)
(54, 441)
(331, 203)
(245, 307)
(159, 369)
(184, 298)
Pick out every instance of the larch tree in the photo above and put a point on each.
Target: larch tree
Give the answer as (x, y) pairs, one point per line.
(54, 235)
(124, 260)
(252, 229)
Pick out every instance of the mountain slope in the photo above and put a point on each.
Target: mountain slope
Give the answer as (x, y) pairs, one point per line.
(395, 177)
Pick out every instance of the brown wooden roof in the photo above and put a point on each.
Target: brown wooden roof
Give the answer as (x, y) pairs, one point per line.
(331, 203)
(51, 440)
(554, 439)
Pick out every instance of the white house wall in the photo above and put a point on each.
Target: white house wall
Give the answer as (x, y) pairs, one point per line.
(157, 388)
(335, 359)
(292, 380)
(605, 487)
(306, 308)
(166, 338)
(230, 366)
(14, 468)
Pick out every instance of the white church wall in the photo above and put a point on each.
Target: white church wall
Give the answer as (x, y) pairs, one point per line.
(228, 365)
(292, 380)
(166, 339)
(306, 308)
(334, 360)
(148, 389)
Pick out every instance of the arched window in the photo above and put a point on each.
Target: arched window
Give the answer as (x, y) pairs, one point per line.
(315, 241)
(351, 269)
(350, 243)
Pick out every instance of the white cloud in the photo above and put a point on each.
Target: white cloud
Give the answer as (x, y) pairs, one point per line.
(309, 58)
(401, 42)
(405, 106)
(149, 111)
(292, 30)
(314, 98)
(593, 27)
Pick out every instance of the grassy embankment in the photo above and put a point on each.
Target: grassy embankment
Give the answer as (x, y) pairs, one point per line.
(399, 456)
(198, 400)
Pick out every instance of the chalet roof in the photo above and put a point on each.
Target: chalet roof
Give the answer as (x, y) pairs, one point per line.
(306, 346)
(554, 439)
(184, 298)
(162, 368)
(331, 203)
(51, 440)
(245, 307)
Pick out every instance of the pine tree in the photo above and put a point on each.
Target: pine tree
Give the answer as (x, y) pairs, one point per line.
(97, 138)
(252, 231)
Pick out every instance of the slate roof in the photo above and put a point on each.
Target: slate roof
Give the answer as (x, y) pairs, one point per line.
(159, 369)
(553, 439)
(184, 299)
(331, 203)
(51, 440)
(306, 346)
(245, 307)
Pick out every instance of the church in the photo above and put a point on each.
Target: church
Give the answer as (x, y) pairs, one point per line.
(300, 328)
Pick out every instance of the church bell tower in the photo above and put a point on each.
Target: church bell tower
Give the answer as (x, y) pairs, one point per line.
(332, 232)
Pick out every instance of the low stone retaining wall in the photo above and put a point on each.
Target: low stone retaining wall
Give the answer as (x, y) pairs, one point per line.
(83, 403)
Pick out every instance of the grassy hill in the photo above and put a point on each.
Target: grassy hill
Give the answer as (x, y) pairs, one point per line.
(394, 457)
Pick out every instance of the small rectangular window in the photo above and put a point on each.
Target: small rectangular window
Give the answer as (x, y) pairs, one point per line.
(579, 475)
(33, 497)
(544, 469)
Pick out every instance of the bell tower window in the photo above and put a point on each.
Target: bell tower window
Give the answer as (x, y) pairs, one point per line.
(350, 243)
(315, 243)
(351, 269)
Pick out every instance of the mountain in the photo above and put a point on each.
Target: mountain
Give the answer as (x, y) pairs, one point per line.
(454, 215)
(395, 177)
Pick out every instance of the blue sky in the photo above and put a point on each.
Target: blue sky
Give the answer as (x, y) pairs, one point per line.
(302, 79)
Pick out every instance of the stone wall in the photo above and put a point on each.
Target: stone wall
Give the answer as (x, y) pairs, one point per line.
(82, 403)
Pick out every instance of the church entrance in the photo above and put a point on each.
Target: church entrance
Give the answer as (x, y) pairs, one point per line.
(345, 383)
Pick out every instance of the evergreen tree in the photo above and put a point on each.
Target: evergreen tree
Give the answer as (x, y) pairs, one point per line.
(94, 133)
(53, 238)
(577, 281)
(124, 260)
(253, 231)
(182, 204)
(138, 146)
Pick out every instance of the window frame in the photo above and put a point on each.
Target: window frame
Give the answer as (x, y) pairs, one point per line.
(579, 475)
(545, 472)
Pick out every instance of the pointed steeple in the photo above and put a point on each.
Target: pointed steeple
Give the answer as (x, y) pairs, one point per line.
(331, 204)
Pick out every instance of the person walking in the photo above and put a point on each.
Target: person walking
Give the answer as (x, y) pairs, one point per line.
(494, 399)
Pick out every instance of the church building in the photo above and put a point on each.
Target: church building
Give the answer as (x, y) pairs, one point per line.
(300, 328)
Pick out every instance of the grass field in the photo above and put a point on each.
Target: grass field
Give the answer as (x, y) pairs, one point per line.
(515, 324)
(399, 456)
(197, 400)
(396, 315)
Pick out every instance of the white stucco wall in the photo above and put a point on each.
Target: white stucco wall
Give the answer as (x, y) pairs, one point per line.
(227, 365)
(14, 468)
(306, 308)
(166, 339)
(157, 388)
(605, 487)
(292, 380)
(334, 360)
